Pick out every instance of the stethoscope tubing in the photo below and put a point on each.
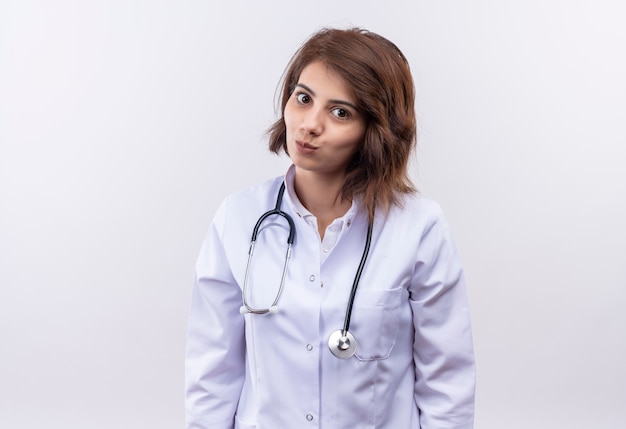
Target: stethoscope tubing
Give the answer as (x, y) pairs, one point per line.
(342, 343)
(357, 278)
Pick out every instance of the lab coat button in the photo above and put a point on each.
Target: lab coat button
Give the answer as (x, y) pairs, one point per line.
(309, 417)
(312, 278)
(309, 347)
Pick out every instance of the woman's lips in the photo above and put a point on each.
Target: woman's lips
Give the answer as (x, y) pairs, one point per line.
(305, 148)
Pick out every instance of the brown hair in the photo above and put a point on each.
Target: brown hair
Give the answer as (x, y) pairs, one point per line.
(382, 85)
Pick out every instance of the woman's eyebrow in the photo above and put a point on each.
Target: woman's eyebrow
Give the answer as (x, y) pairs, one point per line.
(347, 103)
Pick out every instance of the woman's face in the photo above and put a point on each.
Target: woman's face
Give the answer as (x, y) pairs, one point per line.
(324, 127)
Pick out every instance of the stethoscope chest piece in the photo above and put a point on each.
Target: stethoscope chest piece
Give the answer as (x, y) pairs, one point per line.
(340, 345)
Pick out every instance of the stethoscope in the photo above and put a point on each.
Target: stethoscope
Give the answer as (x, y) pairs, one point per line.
(341, 343)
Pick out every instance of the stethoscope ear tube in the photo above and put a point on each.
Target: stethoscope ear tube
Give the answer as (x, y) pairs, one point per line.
(247, 308)
(275, 211)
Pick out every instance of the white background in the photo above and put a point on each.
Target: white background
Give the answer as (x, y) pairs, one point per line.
(124, 123)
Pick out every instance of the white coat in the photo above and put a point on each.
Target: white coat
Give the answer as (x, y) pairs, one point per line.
(414, 365)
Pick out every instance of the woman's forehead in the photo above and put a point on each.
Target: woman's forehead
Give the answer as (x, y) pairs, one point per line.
(320, 78)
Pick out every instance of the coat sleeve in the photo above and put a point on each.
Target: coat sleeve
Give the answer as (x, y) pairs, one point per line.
(215, 355)
(442, 349)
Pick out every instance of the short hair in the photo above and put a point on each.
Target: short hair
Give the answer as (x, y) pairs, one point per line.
(380, 79)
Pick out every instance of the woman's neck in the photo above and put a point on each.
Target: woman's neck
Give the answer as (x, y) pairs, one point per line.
(321, 195)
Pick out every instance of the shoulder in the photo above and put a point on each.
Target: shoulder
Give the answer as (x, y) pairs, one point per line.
(248, 203)
(417, 207)
(413, 217)
(257, 195)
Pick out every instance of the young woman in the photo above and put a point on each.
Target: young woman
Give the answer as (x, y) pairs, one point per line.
(350, 309)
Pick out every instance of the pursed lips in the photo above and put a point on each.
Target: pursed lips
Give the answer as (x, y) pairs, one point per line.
(308, 147)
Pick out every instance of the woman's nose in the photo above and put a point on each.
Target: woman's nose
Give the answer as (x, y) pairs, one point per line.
(312, 121)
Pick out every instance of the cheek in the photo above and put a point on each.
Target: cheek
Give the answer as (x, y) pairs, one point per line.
(355, 137)
(289, 129)
(288, 118)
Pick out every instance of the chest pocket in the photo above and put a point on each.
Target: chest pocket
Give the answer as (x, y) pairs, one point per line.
(375, 322)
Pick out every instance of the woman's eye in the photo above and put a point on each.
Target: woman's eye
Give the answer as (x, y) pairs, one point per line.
(341, 113)
(303, 98)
